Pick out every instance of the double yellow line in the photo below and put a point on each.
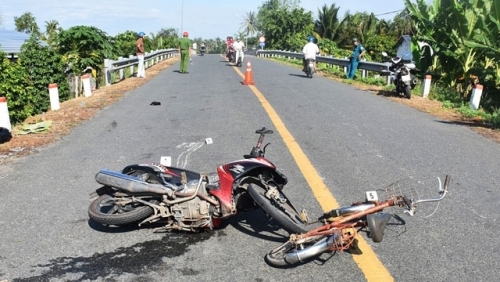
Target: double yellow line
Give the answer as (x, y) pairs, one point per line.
(368, 262)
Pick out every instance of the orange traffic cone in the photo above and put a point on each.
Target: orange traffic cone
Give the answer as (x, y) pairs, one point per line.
(248, 75)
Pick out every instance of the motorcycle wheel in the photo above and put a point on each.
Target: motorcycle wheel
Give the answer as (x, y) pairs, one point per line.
(277, 256)
(309, 73)
(105, 211)
(285, 214)
(239, 62)
(407, 91)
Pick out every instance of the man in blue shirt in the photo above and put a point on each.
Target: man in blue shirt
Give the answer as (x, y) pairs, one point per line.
(357, 52)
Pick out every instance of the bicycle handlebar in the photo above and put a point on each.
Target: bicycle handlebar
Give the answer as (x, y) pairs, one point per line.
(443, 190)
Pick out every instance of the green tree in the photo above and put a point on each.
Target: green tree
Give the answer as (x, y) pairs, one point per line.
(166, 38)
(51, 29)
(44, 66)
(459, 33)
(284, 27)
(267, 8)
(15, 85)
(328, 25)
(383, 27)
(27, 23)
(249, 24)
(360, 25)
(375, 45)
(402, 24)
(124, 44)
(84, 46)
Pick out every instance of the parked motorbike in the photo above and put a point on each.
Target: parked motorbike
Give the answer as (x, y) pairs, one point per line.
(341, 226)
(185, 200)
(310, 70)
(202, 50)
(401, 75)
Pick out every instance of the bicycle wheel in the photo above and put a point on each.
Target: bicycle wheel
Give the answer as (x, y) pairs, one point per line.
(284, 213)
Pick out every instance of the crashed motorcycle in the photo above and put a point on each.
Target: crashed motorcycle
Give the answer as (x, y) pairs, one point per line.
(184, 200)
(401, 75)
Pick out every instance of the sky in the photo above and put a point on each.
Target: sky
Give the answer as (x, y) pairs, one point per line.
(201, 18)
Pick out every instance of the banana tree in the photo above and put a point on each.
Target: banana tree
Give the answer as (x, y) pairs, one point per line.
(451, 27)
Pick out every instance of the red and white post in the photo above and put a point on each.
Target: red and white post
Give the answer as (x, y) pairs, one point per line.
(4, 114)
(86, 85)
(475, 98)
(427, 86)
(54, 97)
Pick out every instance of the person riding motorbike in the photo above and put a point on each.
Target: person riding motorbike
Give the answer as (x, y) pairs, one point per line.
(238, 48)
(202, 47)
(229, 47)
(310, 51)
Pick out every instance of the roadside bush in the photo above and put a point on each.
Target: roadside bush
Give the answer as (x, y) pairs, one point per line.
(43, 66)
(15, 85)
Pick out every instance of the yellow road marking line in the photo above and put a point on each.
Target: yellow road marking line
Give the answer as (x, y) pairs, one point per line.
(368, 262)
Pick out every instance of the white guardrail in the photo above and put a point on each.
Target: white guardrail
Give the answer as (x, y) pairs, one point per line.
(382, 68)
(151, 58)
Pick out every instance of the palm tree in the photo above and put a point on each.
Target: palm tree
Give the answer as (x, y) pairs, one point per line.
(360, 25)
(328, 24)
(403, 24)
(249, 24)
(383, 27)
(51, 30)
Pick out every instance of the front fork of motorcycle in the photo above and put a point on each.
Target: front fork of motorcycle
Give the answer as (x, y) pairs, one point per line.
(274, 194)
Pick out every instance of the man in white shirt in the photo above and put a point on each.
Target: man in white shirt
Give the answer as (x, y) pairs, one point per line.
(238, 47)
(310, 51)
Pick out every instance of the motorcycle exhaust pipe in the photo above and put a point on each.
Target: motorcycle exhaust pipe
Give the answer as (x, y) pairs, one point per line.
(128, 183)
(312, 251)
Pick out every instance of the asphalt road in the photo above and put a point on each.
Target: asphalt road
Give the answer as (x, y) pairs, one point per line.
(357, 141)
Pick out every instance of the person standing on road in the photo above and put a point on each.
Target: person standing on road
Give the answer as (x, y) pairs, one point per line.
(357, 53)
(185, 51)
(141, 72)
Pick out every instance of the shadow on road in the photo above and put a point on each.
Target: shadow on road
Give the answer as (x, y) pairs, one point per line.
(298, 75)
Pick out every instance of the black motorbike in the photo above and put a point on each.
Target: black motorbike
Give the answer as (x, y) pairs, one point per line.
(231, 54)
(401, 75)
(310, 69)
(202, 50)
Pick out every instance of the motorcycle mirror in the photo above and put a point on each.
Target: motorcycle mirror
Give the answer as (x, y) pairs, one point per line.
(384, 54)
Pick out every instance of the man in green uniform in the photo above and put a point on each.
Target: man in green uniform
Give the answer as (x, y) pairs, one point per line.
(357, 52)
(185, 51)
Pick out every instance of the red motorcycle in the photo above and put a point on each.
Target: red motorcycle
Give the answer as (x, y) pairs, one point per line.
(185, 200)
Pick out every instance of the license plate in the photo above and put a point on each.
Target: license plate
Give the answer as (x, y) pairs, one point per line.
(406, 78)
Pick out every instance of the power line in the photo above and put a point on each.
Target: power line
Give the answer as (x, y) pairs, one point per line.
(390, 12)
